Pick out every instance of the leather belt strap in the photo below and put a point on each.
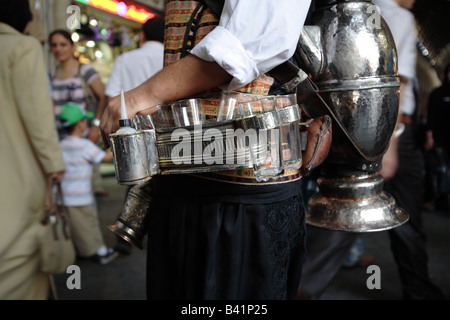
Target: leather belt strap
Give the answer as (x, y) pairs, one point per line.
(191, 29)
(404, 118)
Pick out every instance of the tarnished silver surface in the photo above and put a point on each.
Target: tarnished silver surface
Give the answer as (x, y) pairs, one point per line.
(132, 155)
(356, 204)
(214, 146)
(350, 53)
(356, 72)
(131, 225)
(262, 121)
(289, 114)
(228, 153)
(152, 151)
(310, 49)
(209, 147)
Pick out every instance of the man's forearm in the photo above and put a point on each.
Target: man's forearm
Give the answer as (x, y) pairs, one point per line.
(184, 78)
(179, 80)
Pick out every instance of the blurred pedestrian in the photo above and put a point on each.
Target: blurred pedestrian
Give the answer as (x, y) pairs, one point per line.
(134, 67)
(73, 81)
(403, 172)
(404, 163)
(79, 154)
(439, 131)
(68, 79)
(30, 153)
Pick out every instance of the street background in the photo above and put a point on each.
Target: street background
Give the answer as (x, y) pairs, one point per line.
(124, 278)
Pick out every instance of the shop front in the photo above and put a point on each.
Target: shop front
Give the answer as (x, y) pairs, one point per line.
(107, 29)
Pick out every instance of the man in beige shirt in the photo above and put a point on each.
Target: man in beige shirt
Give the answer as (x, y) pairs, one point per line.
(29, 154)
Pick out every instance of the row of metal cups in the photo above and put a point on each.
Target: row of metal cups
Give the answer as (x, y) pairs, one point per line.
(276, 119)
(277, 147)
(269, 125)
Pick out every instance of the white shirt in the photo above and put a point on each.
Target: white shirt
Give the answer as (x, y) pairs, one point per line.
(252, 39)
(402, 24)
(134, 67)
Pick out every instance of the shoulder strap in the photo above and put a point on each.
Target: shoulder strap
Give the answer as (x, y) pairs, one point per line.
(191, 29)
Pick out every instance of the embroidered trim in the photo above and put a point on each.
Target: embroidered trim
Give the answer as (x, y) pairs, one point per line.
(284, 223)
(235, 178)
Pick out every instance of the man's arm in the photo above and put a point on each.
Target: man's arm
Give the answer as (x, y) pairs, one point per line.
(181, 79)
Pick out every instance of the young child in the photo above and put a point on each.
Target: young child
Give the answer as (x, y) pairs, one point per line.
(79, 156)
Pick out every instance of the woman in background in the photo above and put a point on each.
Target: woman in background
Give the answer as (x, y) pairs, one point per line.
(70, 81)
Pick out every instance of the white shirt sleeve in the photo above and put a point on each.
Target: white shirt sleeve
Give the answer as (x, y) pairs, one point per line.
(253, 37)
(402, 25)
(404, 32)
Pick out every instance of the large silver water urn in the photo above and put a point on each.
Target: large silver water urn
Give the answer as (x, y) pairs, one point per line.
(350, 55)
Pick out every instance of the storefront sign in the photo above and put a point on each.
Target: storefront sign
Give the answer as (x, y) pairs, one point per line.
(126, 10)
(156, 4)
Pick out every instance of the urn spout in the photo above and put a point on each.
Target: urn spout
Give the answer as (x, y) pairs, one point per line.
(310, 51)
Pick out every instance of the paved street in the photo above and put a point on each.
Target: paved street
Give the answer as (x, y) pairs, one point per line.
(124, 278)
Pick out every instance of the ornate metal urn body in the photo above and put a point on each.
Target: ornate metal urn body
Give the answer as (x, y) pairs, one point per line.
(351, 56)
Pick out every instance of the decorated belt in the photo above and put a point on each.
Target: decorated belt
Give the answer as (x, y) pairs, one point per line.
(264, 147)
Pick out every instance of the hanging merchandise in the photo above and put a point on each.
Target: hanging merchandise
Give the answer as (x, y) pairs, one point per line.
(108, 29)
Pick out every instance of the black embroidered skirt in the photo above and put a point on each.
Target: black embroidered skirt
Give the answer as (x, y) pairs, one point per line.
(222, 241)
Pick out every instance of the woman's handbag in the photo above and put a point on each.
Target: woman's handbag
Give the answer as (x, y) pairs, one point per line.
(57, 249)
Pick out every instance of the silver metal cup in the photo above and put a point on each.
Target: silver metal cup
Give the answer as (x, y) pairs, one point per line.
(135, 156)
